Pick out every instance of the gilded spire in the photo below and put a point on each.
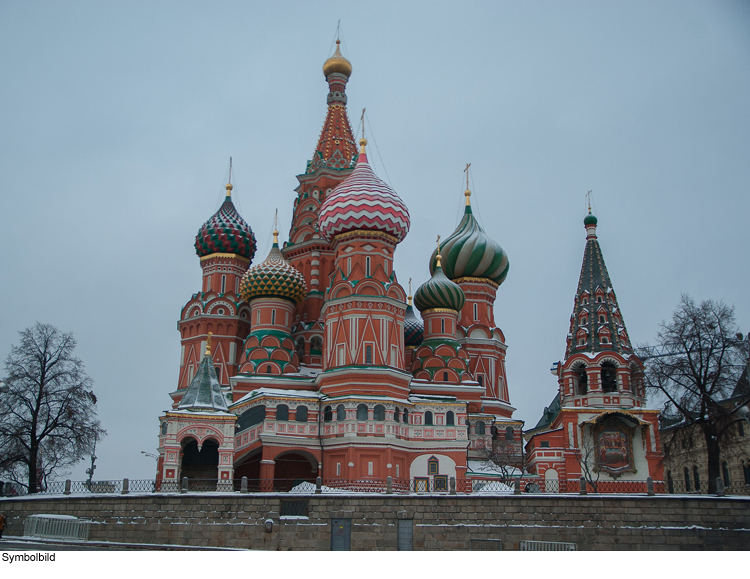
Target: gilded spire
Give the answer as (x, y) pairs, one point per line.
(438, 257)
(467, 193)
(409, 297)
(208, 343)
(276, 229)
(229, 185)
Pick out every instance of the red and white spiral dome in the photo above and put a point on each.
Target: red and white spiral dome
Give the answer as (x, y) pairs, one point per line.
(363, 202)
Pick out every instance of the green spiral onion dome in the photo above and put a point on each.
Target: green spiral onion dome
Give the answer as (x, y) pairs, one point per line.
(439, 292)
(413, 327)
(590, 219)
(274, 278)
(226, 232)
(469, 252)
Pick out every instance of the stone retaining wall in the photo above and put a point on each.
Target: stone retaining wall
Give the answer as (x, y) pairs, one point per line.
(439, 522)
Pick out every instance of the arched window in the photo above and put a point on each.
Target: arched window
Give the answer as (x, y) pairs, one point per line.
(479, 428)
(450, 418)
(316, 346)
(445, 376)
(268, 369)
(164, 431)
(406, 416)
(696, 478)
(368, 354)
(686, 472)
(301, 414)
(255, 415)
(327, 414)
(670, 482)
(340, 413)
(362, 412)
(300, 347)
(379, 412)
(428, 418)
(609, 377)
(582, 380)
(509, 433)
(282, 412)
(725, 473)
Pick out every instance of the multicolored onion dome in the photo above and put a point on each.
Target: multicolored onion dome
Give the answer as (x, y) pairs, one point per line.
(590, 219)
(363, 201)
(226, 232)
(469, 252)
(274, 278)
(337, 63)
(439, 292)
(413, 327)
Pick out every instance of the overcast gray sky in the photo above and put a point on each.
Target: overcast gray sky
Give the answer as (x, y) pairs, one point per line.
(118, 120)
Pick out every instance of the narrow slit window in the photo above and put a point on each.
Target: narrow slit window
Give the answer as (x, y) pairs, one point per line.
(367, 266)
(223, 283)
(476, 312)
(273, 317)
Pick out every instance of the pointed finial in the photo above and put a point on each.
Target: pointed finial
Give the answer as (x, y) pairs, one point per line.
(229, 189)
(438, 257)
(208, 343)
(276, 228)
(588, 198)
(409, 296)
(467, 193)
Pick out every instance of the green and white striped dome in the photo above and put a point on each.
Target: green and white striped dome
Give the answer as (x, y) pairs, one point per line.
(469, 252)
(439, 292)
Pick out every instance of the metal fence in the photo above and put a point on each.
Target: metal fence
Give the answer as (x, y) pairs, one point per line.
(56, 527)
(546, 546)
(433, 484)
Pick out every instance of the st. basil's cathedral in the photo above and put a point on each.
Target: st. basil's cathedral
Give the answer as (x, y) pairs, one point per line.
(313, 363)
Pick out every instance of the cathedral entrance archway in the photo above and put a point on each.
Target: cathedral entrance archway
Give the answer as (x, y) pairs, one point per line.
(293, 468)
(200, 463)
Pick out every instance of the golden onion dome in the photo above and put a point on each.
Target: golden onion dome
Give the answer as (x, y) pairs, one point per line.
(337, 63)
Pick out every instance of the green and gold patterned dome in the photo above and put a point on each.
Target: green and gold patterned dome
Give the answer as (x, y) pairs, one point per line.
(274, 278)
(469, 252)
(439, 292)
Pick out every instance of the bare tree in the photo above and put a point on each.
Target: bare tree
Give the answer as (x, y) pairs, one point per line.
(48, 413)
(699, 372)
(586, 457)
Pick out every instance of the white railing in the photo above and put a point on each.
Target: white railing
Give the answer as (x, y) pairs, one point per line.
(56, 527)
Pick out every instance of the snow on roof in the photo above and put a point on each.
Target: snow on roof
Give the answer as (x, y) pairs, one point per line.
(274, 392)
(431, 397)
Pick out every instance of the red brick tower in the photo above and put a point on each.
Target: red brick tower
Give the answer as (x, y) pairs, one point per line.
(333, 161)
(598, 423)
(226, 246)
